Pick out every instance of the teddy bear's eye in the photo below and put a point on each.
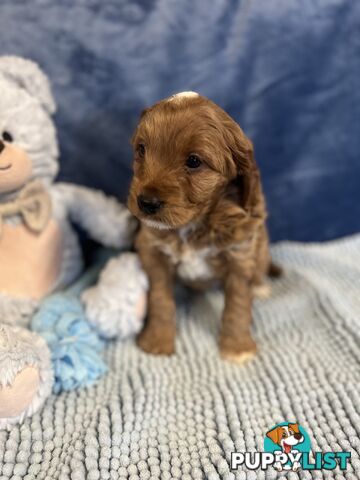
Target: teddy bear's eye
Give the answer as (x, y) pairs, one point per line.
(7, 137)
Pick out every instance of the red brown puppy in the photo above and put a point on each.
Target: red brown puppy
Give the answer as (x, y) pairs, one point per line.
(196, 190)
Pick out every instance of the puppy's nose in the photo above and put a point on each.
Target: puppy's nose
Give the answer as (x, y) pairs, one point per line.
(149, 205)
(298, 436)
(2, 146)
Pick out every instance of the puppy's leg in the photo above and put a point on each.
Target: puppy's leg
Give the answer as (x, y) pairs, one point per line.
(236, 343)
(158, 335)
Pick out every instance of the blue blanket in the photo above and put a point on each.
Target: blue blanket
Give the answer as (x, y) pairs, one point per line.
(288, 71)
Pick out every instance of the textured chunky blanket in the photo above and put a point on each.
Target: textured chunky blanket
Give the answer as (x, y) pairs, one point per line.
(181, 417)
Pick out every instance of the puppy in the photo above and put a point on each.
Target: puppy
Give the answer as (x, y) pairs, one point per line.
(286, 437)
(196, 190)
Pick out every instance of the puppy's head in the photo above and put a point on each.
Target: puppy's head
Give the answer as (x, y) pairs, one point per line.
(286, 436)
(187, 153)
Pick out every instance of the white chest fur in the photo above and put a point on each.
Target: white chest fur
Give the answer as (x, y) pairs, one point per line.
(195, 264)
(192, 264)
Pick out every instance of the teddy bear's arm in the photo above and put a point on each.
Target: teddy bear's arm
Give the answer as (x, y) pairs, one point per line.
(103, 218)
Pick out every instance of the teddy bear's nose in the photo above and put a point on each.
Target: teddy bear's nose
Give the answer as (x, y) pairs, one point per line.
(2, 146)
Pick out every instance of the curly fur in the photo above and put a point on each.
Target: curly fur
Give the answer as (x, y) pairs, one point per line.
(211, 224)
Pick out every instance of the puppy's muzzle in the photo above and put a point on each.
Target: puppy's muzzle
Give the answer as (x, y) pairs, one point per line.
(149, 205)
(298, 436)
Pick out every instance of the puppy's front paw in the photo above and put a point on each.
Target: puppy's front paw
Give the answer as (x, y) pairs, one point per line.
(237, 350)
(263, 291)
(156, 341)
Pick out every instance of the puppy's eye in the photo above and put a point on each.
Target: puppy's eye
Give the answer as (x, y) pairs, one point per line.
(7, 137)
(193, 161)
(141, 150)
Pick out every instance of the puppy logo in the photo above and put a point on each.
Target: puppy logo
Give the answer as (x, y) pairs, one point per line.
(287, 447)
(287, 437)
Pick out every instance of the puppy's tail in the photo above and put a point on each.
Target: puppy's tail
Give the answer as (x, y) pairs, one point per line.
(274, 271)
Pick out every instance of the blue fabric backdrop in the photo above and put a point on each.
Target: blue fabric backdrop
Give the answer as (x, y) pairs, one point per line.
(287, 70)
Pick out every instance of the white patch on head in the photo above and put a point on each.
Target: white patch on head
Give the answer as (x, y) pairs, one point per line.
(181, 95)
(155, 224)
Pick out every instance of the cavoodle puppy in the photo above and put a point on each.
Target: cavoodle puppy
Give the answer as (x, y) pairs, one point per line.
(196, 190)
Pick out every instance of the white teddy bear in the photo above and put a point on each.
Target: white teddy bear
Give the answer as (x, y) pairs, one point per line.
(39, 250)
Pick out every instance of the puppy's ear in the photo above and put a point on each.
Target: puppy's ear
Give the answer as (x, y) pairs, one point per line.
(247, 181)
(142, 115)
(274, 435)
(144, 112)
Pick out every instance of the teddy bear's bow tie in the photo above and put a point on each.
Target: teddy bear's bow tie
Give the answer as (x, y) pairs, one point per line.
(33, 204)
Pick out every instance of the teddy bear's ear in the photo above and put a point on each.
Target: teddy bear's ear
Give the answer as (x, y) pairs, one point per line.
(28, 75)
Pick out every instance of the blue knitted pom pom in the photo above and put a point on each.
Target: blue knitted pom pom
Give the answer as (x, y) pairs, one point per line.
(74, 344)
